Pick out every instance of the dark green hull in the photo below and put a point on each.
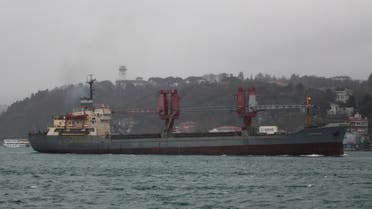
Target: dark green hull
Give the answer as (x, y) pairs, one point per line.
(326, 141)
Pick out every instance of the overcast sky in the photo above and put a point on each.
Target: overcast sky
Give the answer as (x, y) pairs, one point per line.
(46, 43)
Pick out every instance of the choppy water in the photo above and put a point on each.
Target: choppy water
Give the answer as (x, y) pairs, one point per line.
(32, 180)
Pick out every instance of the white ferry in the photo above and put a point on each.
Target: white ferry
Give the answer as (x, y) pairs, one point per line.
(16, 143)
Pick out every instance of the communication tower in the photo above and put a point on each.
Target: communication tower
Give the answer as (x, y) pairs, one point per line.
(123, 72)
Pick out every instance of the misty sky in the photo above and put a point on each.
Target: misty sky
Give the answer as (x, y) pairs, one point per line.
(46, 43)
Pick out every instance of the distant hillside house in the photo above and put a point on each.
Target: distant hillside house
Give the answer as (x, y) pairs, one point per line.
(343, 96)
(341, 78)
(138, 82)
(195, 80)
(337, 110)
(213, 78)
(279, 82)
(156, 81)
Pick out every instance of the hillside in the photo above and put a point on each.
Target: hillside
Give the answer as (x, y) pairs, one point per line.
(35, 112)
(3, 108)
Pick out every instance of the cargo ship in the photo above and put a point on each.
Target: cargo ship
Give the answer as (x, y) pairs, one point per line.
(88, 131)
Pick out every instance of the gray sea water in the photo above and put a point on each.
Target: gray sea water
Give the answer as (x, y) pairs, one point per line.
(33, 180)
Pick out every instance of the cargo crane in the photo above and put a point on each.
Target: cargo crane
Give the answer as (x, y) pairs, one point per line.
(249, 111)
(246, 107)
(168, 108)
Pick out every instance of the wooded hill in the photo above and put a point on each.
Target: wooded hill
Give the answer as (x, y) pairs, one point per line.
(35, 112)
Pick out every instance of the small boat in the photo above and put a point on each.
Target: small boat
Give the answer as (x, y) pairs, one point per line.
(16, 143)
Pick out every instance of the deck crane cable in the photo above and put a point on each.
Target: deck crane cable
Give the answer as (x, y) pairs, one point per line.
(258, 108)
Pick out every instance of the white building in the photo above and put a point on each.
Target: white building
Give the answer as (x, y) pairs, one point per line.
(195, 80)
(213, 78)
(343, 96)
(337, 110)
(136, 83)
(341, 78)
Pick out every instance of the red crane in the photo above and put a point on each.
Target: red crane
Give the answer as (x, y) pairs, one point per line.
(247, 108)
(169, 108)
(246, 114)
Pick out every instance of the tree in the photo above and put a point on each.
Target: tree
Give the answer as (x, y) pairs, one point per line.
(351, 102)
(300, 88)
(294, 77)
(369, 81)
(366, 105)
(241, 76)
(259, 77)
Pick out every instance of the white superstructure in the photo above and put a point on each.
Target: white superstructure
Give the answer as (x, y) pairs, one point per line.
(94, 122)
(88, 120)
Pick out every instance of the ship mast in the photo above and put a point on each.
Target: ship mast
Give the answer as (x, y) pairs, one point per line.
(91, 89)
(308, 116)
(87, 103)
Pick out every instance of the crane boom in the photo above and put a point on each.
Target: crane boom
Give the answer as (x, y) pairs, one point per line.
(280, 107)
